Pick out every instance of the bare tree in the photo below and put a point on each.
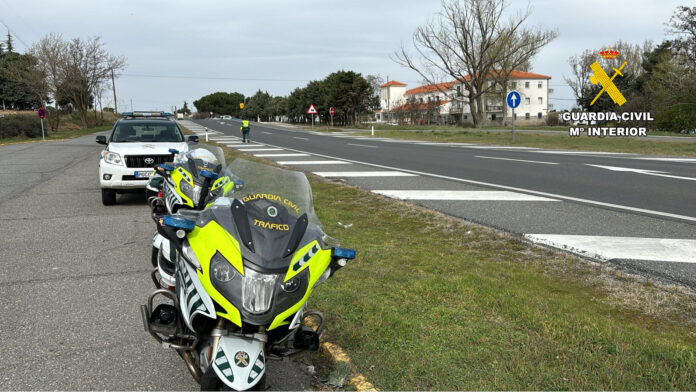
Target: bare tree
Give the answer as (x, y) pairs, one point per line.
(469, 41)
(87, 66)
(50, 52)
(682, 25)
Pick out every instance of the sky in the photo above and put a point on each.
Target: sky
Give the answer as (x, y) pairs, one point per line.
(179, 50)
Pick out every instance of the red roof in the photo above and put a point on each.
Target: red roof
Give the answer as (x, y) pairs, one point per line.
(515, 74)
(430, 88)
(393, 83)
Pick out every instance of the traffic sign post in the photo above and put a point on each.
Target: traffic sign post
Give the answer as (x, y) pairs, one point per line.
(42, 114)
(312, 110)
(513, 101)
(331, 113)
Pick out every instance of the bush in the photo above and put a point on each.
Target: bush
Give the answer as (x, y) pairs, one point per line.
(20, 125)
(552, 119)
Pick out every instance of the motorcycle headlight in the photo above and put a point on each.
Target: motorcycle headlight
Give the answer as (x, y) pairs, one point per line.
(112, 158)
(222, 270)
(291, 285)
(257, 291)
(193, 193)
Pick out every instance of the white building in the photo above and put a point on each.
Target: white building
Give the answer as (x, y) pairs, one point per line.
(418, 105)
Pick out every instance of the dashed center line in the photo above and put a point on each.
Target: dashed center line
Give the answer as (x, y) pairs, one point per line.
(461, 195)
(516, 160)
(385, 173)
(301, 138)
(313, 163)
(258, 149)
(281, 155)
(361, 145)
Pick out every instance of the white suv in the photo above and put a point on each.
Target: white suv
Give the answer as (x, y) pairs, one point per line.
(136, 144)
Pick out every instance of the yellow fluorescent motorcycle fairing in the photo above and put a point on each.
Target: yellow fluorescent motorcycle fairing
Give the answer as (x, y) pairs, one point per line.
(245, 269)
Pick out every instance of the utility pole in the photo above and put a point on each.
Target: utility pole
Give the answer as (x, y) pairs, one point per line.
(388, 101)
(113, 87)
(131, 104)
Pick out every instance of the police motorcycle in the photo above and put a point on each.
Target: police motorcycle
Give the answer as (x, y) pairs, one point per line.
(188, 183)
(245, 267)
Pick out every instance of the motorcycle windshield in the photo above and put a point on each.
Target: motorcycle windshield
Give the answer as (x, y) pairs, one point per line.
(286, 189)
(203, 152)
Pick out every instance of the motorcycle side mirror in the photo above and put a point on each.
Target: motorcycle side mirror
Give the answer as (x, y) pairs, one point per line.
(209, 174)
(163, 168)
(343, 253)
(101, 140)
(178, 223)
(238, 184)
(193, 139)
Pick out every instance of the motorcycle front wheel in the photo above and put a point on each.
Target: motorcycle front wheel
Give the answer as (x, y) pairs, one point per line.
(211, 382)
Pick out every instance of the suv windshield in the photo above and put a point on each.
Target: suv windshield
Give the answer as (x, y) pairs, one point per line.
(146, 131)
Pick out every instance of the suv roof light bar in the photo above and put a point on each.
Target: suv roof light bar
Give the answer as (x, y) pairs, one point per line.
(145, 114)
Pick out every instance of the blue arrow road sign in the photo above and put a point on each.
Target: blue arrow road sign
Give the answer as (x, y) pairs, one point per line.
(513, 99)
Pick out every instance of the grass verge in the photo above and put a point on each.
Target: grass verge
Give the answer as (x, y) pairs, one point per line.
(66, 134)
(560, 141)
(434, 303)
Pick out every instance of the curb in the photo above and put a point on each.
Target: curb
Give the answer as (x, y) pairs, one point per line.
(338, 355)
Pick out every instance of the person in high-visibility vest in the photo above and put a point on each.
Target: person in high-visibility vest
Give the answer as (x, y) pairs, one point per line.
(245, 131)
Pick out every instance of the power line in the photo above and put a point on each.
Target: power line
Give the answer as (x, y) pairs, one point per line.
(212, 78)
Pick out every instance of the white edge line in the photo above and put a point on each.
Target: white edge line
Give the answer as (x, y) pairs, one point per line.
(488, 184)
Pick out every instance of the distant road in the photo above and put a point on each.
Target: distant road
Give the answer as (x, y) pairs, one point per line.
(635, 211)
(682, 139)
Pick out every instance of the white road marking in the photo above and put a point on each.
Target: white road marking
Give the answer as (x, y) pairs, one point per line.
(361, 145)
(461, 195)
(633, 248)
(498, 147)
(516, 160)
(512, 188)
(301, 138)
(443, 144)
(295, 154)
(267, 133)
(579, 152)
(687, 160)
(258, 149)
(643, 171)
(313, 163)
(365, 174)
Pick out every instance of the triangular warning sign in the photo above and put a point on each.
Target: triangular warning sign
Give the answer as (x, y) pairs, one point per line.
(312, 109)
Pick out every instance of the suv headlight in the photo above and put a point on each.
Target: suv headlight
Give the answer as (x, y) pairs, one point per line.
(257, 291)
(112, 158)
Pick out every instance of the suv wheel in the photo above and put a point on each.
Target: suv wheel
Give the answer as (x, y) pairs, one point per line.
(108, 197)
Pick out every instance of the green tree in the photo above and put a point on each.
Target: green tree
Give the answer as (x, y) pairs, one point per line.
(220, 103)
(9, 43)
(257, 106)
(185, 109)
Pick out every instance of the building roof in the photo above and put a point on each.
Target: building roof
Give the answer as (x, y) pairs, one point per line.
(515, 74)
(430, 88)
(393, 83)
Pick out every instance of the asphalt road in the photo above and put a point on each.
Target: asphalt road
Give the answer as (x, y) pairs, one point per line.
(74, 275)
(637, 212)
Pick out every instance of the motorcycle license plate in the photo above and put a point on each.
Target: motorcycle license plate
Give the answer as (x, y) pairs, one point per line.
(143, 174)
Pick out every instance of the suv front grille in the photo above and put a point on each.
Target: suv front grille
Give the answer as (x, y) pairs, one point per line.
(139, 160)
